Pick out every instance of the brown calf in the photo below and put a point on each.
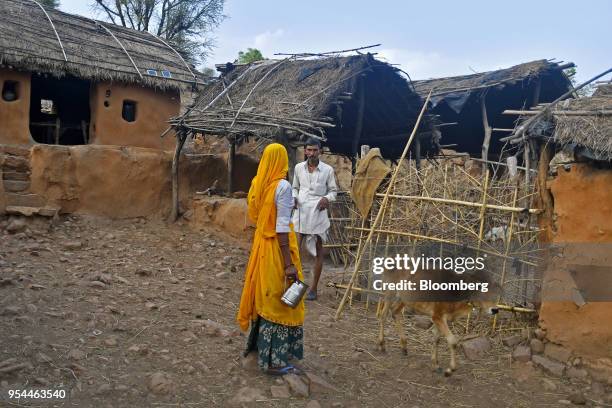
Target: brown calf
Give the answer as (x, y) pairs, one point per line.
(442, 308)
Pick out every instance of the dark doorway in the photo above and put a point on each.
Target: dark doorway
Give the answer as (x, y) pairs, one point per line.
(59, 110)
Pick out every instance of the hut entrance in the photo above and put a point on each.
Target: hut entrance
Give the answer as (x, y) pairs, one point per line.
(59, 110)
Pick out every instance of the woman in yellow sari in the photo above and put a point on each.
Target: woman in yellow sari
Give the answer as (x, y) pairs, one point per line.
(276, 329)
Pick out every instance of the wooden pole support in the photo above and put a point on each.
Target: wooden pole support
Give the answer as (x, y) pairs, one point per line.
(380, 211)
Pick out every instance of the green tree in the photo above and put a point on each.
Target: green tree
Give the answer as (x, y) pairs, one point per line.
(186, 24)
(50, 3)
(250, 55)
(208, 72)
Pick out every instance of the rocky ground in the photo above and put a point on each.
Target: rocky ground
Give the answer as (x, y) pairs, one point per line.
(137, 313)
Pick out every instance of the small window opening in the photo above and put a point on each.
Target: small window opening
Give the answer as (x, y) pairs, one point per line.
(10, 91)
(106, 104)
(128, 113)
(47, 107)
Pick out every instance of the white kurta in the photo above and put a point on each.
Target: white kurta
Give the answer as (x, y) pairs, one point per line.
(309, 188)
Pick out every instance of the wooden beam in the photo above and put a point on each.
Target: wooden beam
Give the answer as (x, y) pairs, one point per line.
(181, 137)
(487, 131)
(231, 157)
(360, 114)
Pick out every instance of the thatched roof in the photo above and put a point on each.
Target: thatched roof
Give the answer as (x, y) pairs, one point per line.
(456, 90)
(28, 42)
(319, 97)
(585, 123)
(457, 100)
(603, 89)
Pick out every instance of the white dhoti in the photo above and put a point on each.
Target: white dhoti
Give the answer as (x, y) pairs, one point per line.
(310, 222)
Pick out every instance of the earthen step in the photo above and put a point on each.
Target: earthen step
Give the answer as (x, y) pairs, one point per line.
(13, 150)
(16, 163)
(24, 200)
(29, 211)
(16, 175)
(13, 186)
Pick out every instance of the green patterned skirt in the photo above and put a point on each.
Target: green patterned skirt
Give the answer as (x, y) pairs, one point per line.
(275, 344)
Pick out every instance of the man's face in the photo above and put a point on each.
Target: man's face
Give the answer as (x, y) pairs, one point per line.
(312, 153)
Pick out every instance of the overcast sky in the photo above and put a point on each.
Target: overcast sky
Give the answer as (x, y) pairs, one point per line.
(426, 38)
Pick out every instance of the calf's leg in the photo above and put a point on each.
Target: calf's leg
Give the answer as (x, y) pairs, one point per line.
(381, 325)
(398, 317)
(441, 324)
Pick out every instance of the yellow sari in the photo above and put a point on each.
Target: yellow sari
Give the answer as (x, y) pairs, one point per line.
(264, 281)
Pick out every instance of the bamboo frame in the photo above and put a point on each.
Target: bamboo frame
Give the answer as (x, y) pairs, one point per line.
(378, 216)
(465, 203)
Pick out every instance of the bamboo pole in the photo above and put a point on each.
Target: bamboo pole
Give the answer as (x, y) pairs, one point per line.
(483, 210)
(508, 242)
(383, 204)
(465, 203)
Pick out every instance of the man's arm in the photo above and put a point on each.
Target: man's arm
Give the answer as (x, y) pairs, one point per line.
(332, 190)
(332, 186)
(296, 185)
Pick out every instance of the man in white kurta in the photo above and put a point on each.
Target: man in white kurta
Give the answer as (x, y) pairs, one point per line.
(314, 187)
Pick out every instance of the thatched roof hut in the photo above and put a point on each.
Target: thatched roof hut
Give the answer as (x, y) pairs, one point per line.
(582, 126)
(345, 101)
(458, 100)
(586, 124)
(49, 41)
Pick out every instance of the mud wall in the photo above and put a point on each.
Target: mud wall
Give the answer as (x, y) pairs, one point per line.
(227, 214)
(15, 115)
(583, 227)
(153, 109)
(114, 181)
(2, 196)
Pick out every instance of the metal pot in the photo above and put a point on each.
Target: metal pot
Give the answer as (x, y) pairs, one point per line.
(294, 293)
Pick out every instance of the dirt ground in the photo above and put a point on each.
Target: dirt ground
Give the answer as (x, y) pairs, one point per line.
(136, 313)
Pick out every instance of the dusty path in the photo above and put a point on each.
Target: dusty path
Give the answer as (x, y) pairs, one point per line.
(98, 307)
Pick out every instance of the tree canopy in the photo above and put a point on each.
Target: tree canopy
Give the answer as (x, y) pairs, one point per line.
(186, 24)
(248, 56)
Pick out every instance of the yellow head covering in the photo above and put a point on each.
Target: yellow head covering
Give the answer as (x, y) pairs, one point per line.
(264, 280)
(272, 168)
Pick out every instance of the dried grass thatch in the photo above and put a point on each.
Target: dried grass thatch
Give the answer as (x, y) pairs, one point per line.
(310, 97)
(589, 125)
(458, 101)
(449, 87)
(28, 42)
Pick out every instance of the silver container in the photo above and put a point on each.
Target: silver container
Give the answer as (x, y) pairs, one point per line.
(294, 293)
